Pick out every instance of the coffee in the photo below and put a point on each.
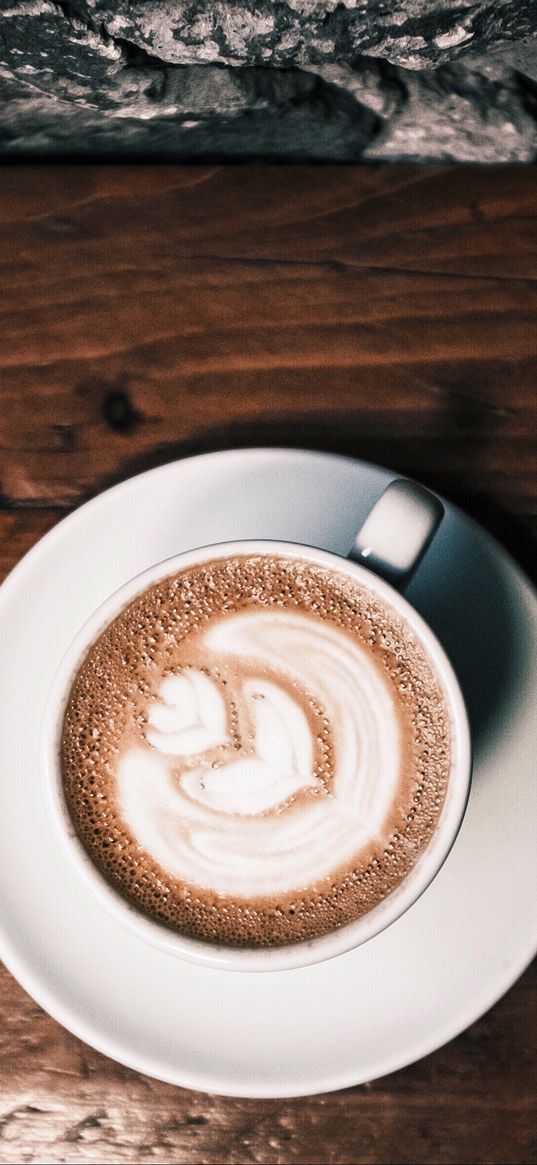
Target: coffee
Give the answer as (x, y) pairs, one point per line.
(256, 751)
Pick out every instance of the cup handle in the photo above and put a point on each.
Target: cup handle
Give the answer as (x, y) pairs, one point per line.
(397, 531)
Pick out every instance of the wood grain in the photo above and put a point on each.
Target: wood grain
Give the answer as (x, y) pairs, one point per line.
(151, 312)
(391, 314)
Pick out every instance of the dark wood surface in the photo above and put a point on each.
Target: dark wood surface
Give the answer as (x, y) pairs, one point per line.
(149, 313)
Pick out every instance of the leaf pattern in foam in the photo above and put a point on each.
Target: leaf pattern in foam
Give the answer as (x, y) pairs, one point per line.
(190, 716)
(281, 764)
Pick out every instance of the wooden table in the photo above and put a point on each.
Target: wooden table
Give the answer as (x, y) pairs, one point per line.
(152, 312)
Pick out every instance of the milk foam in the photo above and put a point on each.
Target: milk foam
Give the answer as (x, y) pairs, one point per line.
(190, 716)
(258, 820)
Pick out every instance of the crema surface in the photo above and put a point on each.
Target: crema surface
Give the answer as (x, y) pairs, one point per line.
(256, 751)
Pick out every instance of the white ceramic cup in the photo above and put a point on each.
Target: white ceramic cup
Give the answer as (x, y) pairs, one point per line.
(389, 546)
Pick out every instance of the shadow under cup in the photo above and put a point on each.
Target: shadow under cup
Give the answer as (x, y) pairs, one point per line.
(301, 953)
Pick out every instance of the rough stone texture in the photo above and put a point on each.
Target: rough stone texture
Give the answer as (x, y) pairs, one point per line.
(412, 33)
(274, 79)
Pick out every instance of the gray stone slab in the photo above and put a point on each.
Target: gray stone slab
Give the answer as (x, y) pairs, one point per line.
(426, 80)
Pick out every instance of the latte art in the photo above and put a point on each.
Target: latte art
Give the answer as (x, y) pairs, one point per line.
(190, 716)
(256, 751)
(277, 763)
(244, 824)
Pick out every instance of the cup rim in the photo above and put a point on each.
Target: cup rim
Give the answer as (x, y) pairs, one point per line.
(294, 955)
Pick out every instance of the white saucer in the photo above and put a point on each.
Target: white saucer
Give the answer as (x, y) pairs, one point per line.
(363, 1014)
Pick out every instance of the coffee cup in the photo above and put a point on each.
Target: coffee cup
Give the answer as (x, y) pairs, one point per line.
(257, 753)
